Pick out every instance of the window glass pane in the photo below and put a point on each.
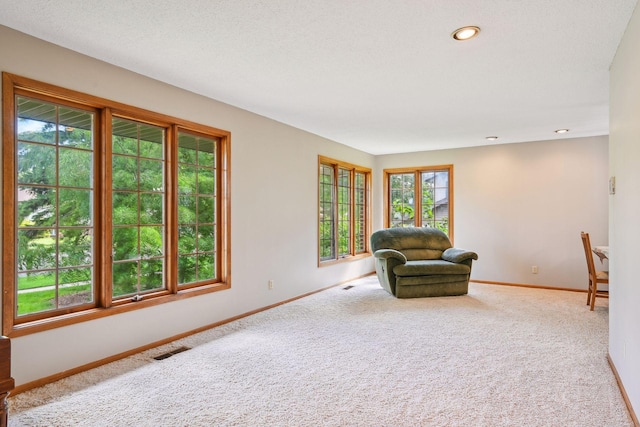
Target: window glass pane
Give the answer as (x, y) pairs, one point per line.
(206, 152)
(206, 181)
(206, 238)
(36, 206)
(152, 142)
(187, 209)
(360, 212)
(151, 242)
(151, 208)
(187, 149)
(124, 173)
(75, 207)
(197, 208)
(54, 224)
(187, 179)
(125, 243)
(125, 278)
(76, 287)
(344, 212)
(36, 164)
(442, 179)
(206, 266)
(75, 128)
(151, 176)
(123, 144)
(125, 208)
(186, 239)
(36, 121)
(402, 200)
(187, 269)
(326, 220)
(138, 213)
(37, 249)
(76, 168)
(441, 215)
(206, 210)
(151, 274)
(36, 292)
(75, 246)
(435, 199)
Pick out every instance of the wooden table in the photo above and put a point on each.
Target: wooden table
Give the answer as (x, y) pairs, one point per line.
(601, 251)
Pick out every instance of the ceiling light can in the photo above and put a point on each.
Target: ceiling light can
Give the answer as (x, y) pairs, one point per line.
(465, 33)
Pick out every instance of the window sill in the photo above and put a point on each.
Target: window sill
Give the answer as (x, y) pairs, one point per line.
(27, 328)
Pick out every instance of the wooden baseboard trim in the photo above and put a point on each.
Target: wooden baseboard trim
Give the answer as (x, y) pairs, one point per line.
(627, 402)
(64, 374)
(525, 285)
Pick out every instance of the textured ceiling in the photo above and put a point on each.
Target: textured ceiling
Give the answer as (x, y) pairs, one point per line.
(380, 76)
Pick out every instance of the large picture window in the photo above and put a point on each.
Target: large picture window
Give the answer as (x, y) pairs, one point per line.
(343, 201)
(106, 207)
(420, 197)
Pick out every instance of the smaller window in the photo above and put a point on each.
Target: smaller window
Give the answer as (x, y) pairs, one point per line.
(420, 197)
(343, 205)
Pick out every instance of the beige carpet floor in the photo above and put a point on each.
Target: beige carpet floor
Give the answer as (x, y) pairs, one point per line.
(355, 356)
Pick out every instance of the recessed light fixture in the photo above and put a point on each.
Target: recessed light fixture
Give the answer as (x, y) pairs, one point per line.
(562, 131)
(465, 33)
(491, 138)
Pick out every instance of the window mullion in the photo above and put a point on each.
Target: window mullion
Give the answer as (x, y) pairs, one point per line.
(105, 278)
(336, 209)
(352, 210)
(171, 209)
(417, 198)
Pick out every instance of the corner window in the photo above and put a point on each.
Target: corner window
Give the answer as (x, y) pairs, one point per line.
(106, 207)
(343, 201)
(420, 197)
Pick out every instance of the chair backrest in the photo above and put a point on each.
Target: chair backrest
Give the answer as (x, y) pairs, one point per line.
(586, 242)
(414, 242)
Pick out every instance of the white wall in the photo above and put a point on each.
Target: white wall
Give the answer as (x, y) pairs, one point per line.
(624, 221)
(273, 211)
(519, 205)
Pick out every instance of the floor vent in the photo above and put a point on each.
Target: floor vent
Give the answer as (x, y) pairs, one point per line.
(171, 353)
(346, 288)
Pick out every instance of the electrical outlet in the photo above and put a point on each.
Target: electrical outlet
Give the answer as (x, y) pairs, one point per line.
(534, 269)
(271, 284)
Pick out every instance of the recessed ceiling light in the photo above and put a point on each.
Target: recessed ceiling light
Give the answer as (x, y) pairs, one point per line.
(465, 33)
(491, 138)
(562, 131)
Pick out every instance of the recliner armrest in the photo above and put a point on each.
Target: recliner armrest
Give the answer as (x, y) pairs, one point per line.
(458, 255)
(390, 253)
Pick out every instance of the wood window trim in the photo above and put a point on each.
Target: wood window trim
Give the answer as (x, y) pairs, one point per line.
(353, 168)
(417, 170)
(105, 109)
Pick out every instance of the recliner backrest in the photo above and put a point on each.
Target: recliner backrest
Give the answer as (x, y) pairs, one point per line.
(414, 242)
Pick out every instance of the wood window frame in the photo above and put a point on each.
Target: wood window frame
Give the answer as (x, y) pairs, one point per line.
(353, 254)
(418, 200)
(103, 304)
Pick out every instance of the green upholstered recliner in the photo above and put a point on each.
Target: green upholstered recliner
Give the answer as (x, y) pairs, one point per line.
(418, 262)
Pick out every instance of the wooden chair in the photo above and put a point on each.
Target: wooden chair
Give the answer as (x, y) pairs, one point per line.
(595, 277)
